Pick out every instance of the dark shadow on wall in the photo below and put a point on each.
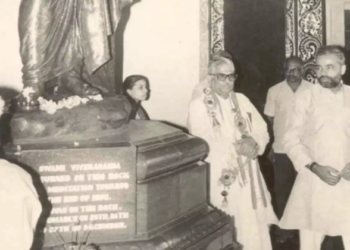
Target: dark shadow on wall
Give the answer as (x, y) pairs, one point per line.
(109, 77)
(118, 46)
(255, 36)
(8, 95)
(346, 76)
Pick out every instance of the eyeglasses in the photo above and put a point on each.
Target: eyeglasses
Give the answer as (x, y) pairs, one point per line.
(223, 77)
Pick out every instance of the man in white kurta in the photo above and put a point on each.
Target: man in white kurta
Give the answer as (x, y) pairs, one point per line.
(279, 108)
(318, 143)
(214, 116)
(19, 206)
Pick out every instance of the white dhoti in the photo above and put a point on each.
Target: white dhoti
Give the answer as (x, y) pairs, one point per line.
(248, 204)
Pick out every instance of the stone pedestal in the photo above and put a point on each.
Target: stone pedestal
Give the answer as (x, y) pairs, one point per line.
(145, 187)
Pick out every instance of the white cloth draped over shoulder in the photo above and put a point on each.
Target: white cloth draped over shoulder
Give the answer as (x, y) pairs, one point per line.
(319, 132)
(251, 224)
(19, 207)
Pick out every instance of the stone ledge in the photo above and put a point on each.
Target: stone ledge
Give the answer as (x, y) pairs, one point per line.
(82, 122)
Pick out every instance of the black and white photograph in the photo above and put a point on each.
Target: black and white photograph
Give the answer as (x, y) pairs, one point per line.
(175, 124)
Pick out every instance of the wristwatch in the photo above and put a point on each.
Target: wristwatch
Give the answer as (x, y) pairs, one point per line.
(311, 166)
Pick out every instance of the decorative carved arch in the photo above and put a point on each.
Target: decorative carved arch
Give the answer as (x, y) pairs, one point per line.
(304, 30)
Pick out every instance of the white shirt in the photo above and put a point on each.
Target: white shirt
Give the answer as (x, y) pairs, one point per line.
(279, 104)
(19, 207)
(228, 125)
(319, 132)
(319, 128)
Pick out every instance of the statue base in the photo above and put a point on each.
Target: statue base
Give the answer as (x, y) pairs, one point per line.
(90, 120)
(145, 188)
(210, 230)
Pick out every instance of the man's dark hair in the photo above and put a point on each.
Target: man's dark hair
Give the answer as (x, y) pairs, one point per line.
(336, 50)
(293, 59)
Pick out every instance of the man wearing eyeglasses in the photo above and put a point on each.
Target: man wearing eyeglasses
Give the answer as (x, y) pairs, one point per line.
(236, 134)
(279, 107)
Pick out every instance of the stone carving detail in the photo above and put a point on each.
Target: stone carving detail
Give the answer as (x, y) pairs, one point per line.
(217, 25)
(304, 32)
(204, 39)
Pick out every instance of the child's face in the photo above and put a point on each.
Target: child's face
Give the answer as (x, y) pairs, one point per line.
(139, 91)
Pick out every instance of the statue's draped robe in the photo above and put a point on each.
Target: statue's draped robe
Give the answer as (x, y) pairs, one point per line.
(56, 35)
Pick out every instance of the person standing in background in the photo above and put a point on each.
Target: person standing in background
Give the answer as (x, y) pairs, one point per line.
(279, 107)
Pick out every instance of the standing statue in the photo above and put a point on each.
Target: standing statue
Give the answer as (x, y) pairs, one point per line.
(63, 42)
(67, 51)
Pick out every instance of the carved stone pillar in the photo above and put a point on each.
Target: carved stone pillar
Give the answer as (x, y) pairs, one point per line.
(305, 32)
(217, 25)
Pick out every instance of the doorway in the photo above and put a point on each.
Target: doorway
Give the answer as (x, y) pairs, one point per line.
(254, 33)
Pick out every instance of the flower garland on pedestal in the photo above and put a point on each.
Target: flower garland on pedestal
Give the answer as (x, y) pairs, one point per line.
(51, 107)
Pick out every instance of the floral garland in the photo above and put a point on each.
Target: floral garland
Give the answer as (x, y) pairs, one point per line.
(212, 108)
(235, 167)
(51, 107)
(228, 174)
(26, 92)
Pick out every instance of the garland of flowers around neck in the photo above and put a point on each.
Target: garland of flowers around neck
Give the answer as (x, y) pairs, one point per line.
(228, 175)
(235, 165)
(212, 108)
